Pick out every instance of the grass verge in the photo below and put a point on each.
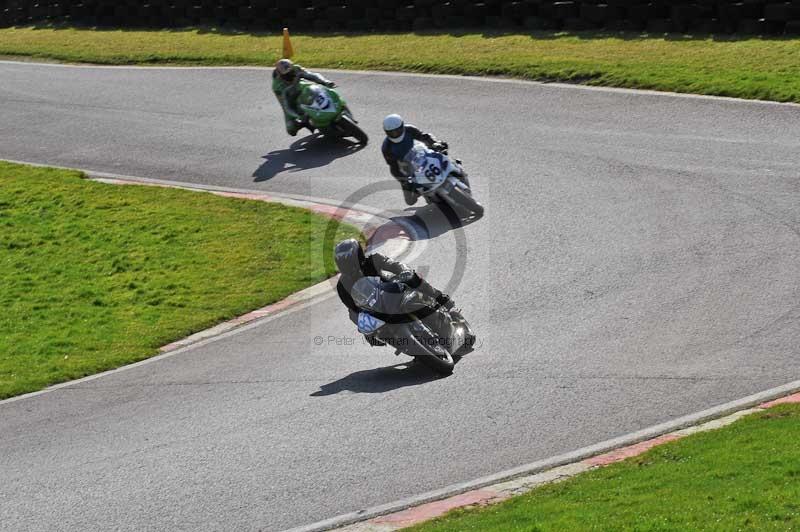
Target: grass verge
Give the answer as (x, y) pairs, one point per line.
(742, 477)
(94, 276)
(758, 68)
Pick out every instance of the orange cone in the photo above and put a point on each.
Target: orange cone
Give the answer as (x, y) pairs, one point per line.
(288, 52)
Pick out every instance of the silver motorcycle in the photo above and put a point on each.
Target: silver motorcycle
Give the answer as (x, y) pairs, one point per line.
(392, 313)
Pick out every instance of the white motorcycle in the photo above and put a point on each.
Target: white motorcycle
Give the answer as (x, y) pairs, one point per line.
(438, 178)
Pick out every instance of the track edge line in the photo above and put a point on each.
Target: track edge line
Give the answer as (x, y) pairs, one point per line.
(354, 214)
(541, 466)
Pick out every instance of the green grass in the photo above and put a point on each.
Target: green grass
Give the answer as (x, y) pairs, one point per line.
(742, 67)
(742, 477)
(94, 276)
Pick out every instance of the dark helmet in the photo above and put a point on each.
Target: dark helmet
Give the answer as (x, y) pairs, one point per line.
(349, 257)
(285, 69)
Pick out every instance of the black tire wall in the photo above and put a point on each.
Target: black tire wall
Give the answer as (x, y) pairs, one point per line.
(656, 16)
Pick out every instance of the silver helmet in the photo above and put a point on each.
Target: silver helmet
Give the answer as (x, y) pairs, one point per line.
(349, 256)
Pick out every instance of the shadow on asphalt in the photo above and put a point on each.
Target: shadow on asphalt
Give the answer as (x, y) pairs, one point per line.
(431, 221)
(308, 152)
(379, 380)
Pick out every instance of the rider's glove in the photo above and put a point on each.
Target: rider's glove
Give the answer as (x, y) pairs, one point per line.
(445, 301)
(405, 276)
(439, 146)
(330, 84)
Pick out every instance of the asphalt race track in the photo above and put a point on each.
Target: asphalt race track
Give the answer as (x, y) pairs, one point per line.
(638, 261)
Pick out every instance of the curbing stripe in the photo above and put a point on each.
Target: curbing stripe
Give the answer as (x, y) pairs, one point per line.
(549, 470)
(358, 213)
(505, 490)
(377, 237)
(524, 478)
(418, 514)
(622, 453)
(389, 233)
(295, 200)
(162, 355)
(717, 423)
(482, 491)
(791, 399)
(525, 484)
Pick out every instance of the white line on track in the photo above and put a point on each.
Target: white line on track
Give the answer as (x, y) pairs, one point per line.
(156, 358)
(487, 79)
(556, 461)
(306, 297)
(527, 469)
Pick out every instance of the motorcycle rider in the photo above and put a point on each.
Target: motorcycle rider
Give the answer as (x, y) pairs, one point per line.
(353, 265)
(285, 84)
(399, 140)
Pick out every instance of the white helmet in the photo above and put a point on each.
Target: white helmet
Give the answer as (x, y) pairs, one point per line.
(394, 127)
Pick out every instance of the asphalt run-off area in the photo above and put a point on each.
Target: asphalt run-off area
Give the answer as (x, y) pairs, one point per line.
(637, 263)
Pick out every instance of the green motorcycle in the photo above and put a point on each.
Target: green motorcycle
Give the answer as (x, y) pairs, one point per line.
(326, 111)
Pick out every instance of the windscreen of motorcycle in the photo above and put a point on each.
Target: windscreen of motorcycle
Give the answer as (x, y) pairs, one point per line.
(427, 167)
(365, 292)
(414, 301)
(377, 295)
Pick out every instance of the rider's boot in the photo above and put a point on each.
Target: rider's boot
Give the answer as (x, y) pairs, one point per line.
(293, 126)
(304, 124)
(410, 196)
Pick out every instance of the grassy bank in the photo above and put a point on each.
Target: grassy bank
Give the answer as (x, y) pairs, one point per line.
(742, 477)
(94, 276)
(747, 68)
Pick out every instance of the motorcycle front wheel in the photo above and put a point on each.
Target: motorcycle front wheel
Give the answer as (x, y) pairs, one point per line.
(348, 128)
(465, 200)
(430, 353)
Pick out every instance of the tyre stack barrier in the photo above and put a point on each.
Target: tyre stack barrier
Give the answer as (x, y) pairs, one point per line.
(752, 17)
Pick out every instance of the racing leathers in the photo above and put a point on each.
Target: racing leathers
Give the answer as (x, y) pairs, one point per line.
(394, 152)
(379, 265)
(287, 89)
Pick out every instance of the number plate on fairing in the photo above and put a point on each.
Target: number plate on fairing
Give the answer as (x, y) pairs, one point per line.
(428, 170)
(321, 100)
(367, 323)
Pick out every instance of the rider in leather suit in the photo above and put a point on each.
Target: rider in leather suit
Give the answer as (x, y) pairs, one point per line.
(285, 85)
(400, 138)
(354, 265)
